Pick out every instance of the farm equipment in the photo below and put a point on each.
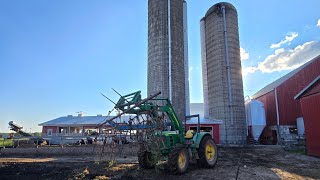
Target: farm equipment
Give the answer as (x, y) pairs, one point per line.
(19, 129)
(164, 141)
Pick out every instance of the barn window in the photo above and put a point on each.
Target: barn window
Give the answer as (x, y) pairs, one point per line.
(203, 129)
(49, 132)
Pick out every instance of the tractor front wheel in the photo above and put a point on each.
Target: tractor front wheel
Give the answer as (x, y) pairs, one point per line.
(179, 160)
(145, 158)
(208, 154)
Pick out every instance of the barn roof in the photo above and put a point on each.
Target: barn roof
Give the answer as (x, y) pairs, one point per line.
(81, 120)
(95, 120)
(204, 121)
(270, 87)
(307, 87)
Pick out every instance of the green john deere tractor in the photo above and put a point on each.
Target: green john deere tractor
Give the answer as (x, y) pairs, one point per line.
(166, 141)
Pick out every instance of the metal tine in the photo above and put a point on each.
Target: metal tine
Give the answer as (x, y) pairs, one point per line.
(120, 95)
(108, 98)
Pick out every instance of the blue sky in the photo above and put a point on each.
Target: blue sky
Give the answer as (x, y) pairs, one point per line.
(57, 56)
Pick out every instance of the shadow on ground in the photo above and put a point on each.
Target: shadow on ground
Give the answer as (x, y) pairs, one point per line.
(262, 162)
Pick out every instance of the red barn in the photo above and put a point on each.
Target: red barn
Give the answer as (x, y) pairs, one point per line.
(281, 108)
(310, 106)
(206, 125)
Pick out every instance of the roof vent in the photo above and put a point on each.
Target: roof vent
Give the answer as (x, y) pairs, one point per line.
(99, 115)
(69, 116)
(80, 113)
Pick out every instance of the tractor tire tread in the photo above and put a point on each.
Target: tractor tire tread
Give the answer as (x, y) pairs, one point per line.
(202, 161)
(143, 158)
(173, 160)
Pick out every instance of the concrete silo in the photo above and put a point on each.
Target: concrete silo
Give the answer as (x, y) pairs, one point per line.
(167, 52)
(222, 78)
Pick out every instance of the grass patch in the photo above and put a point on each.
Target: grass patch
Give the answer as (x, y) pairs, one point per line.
(298, 151)
(6, 142)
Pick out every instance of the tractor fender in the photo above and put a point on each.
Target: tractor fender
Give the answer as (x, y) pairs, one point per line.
(197, 138)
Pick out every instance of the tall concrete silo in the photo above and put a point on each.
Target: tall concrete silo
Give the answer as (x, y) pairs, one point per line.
(222, 78)
(167, 52)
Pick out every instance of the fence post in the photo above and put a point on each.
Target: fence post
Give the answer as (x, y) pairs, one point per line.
(61, 143)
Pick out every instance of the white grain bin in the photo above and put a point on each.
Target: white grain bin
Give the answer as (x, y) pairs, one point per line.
(256, 117)
(300, 126)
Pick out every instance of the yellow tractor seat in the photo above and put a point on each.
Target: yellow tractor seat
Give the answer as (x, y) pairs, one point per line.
(189, 134)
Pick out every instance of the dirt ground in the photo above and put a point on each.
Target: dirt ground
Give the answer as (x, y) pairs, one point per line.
(259, 162)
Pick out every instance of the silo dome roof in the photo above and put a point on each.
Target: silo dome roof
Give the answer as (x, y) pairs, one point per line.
(214, 7)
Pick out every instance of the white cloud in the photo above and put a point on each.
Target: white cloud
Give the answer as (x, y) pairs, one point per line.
(243, 54)
(290, 59)
(290, 36)
(318, 23)
(248, 70)
(283, 59)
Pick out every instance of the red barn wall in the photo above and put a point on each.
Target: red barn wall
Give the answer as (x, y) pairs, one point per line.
(215, 129)
(289, 109)
(45, 129)
(315, 89)
(310, 106)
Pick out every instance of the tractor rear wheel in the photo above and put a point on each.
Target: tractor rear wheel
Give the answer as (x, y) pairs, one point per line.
(208, 152)
(179, 160)
(145, 158)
